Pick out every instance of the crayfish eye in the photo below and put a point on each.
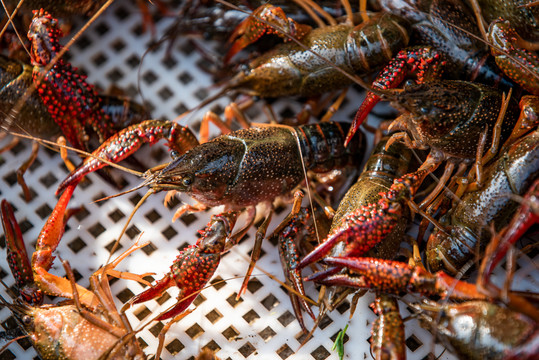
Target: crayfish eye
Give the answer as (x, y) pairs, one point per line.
(174, 154)
(409, 84)
(26, 320)
(187, 181)
(424, 110)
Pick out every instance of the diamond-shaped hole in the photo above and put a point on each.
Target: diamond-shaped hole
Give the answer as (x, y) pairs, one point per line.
(343, 307)
(320, 353)
(286, 318)
(116, 215)
(149, 77)
(232, 300)
(115, 75)
(99, 59)
(98, 196)
(11, 178)
(270, 302)
(83, 42)
(185, 78)
(180, 109)
(174, 347)
(251, 316)
(101, 29)
(213, 316)
(199, 299)
(230, 333)
(169, 62)
(212, 346)
(48, 180)
(186, 48)
(267, 334)
(413, 343)
(112, 245)
(149, 249)
(194, 331)
(284, 351)
(247, 349)
(326, 320)
(132, 231)
(8, 355)
(218, 282)
(165, 93)
(25, 225)
(96, 230)
(125, 295)
(44, 211)
(121, 13)
(163, 298)
(254, 285)
(201, 94)
(142, 313)
(77, 245)
(153, 216)
(133, 61)
(169, 232)
(344, 339)
(142, 343)
(188, 219)
(82, 214)
(118, 45)
(156, 329)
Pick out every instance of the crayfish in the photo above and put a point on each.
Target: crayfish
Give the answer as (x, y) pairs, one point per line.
(55, 330)
(235, 170)
(63, 103)
(454, 120)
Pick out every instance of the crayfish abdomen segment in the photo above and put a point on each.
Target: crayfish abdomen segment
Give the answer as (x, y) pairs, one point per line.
(292, 69)
(512, 173)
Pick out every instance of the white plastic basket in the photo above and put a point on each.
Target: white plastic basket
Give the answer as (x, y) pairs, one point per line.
(259, 326)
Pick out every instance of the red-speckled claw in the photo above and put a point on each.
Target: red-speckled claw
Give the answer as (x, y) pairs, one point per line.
(519, 64)
(71, 101)
(252, 29)
(17, 258)
(368, 225)
(127, 141)
(423, 63)
(194, 266)
(396, 277)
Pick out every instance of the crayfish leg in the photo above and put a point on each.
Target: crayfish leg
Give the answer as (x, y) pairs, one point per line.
(388, 329)
(24, 167)
(294, 228)
(257, 251)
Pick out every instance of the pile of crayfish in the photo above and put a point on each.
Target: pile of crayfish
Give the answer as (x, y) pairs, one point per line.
(458, 153)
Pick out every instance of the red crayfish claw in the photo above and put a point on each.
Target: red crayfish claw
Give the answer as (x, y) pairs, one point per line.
(194, 266)
(368, 225)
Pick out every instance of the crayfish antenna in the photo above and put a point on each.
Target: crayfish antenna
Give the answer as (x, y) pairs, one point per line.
(139, 204)
(141, 185)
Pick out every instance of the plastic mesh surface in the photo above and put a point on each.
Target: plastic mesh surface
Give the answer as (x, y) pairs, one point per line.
(259, 325)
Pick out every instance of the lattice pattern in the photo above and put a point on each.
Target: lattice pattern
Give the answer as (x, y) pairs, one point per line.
(259, 325)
